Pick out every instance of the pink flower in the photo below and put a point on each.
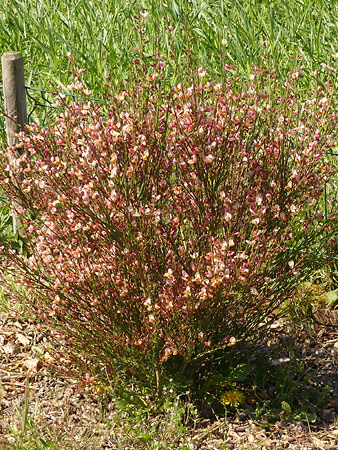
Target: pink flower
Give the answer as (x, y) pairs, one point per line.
(201, 72)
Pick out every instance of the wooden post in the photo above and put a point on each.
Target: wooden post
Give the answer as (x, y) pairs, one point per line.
(13, 77)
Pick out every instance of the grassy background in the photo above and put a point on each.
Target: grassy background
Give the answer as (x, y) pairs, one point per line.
(102, 35)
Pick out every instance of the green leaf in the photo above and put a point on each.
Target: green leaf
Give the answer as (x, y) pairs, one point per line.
(131, 398)
(331, 298)
(180, 382)
(286, 407)
(240, 373)
(217, 380)
(305, 417)
(145, 437)
(224, 447)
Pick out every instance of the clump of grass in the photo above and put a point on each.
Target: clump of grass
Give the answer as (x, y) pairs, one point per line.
(306, 296)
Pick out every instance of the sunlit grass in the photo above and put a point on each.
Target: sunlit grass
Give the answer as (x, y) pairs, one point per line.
(103, 35)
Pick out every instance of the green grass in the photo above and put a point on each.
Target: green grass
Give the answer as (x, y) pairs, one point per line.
(102, 35)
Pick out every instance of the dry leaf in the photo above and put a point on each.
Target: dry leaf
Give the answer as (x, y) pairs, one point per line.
(18, 325)
(318, 443)
(279, 361)
(9, 348)
(251, 438)
(24, 340)
(33, 365)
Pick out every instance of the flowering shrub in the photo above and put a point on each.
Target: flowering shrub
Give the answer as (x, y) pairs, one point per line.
(159, 233)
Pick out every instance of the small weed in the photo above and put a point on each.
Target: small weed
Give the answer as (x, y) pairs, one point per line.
(26, 436)
(305, 297)
(160, 428)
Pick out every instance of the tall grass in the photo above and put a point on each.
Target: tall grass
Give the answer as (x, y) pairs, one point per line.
(102, 34)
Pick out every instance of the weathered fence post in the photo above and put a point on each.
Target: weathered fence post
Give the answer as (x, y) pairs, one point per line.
(13, 78)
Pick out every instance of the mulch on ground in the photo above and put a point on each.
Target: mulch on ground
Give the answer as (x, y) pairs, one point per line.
(59, 407)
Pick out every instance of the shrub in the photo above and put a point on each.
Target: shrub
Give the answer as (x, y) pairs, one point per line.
(173, 225)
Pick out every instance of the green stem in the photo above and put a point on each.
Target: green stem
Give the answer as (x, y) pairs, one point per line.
(158, 379)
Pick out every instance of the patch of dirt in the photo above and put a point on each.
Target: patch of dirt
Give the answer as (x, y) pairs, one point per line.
(58, 407)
